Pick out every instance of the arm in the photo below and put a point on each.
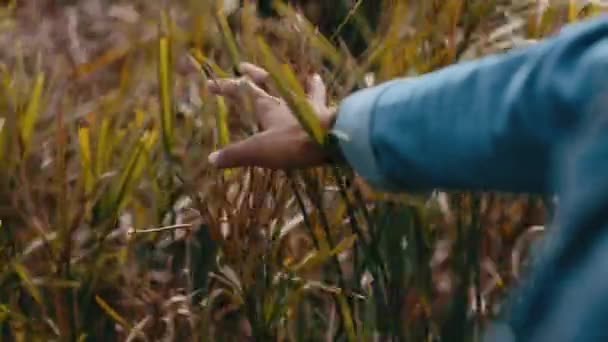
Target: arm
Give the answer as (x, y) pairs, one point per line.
(495, 123)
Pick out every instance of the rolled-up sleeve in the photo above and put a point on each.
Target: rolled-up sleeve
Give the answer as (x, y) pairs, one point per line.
(530, 120)
(354, 134)
(491, 124)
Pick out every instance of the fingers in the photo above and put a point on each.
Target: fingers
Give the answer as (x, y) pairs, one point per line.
(273, 149)
(257, 74)
(235, 87)
(317, 92)
(252, 151)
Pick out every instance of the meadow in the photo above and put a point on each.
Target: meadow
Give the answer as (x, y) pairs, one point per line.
(114, 227)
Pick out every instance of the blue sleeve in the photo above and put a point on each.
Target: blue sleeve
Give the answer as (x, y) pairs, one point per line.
(534, 119)
(496, 123)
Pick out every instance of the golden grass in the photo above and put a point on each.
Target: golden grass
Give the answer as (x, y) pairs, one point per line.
(108, 134)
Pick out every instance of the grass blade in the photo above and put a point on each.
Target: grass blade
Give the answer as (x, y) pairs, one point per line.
(84, 144)
(222, 122)
(137, 162)
(317, 40)
(290, 89)
(165, 81)
(26, 280)
(27, 120)
(112, 313)
(317, 258)
(3, 137)
(347, 317)
(228, 36)
(104, 148)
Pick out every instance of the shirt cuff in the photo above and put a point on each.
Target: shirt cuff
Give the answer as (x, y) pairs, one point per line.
(353, 130)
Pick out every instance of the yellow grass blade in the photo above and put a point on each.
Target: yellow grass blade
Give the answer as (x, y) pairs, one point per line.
(27, 120)
(319, 257)
(26, 280)
(166, 92)
(3, 137)
(572, 10)
(104, 148)
(290, 89)
(228, 36)
(198, 59)
(221, 118)
(112, 313)
(346, 317)
(140, 116)
(317, 40)
(84, 144)
(108, 57)
(134, 168)
(136, 163)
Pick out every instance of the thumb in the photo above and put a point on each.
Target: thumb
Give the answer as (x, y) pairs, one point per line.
(317, 91)
(285, 148)
(248, 152)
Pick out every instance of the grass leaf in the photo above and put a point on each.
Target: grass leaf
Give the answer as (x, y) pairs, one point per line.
(112, 313)
(347, 317)
(317, 40)
(3, 138)
(289, 88)
(28, 118)
(221, 120)
(84, 144)
(228, 36)
(316, 258)
(165, 81)
(26, 280)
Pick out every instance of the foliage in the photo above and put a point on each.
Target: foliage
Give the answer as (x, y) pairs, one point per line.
(114, 227)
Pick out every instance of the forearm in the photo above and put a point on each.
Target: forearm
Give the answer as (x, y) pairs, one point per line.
(495, 123)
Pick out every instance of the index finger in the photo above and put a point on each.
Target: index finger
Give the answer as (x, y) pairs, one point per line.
(234, 87)
(225, 87)
(257, 74)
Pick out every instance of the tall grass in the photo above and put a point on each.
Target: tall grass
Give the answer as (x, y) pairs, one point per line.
(114, 227)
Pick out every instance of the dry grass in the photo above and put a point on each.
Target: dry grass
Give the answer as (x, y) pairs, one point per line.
(115, 228)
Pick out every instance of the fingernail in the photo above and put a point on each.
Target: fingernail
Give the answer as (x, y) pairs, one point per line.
(213, 158)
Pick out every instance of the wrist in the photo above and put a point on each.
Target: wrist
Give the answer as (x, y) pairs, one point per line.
(331, 144)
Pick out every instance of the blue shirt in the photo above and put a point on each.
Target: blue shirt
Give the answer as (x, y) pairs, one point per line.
(531, 120)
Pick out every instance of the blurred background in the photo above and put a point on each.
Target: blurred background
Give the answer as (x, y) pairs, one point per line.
(114, 227)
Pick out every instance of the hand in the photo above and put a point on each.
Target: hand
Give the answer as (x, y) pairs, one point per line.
(282, 142)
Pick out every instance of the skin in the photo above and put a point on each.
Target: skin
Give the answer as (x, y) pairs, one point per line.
(281, 143)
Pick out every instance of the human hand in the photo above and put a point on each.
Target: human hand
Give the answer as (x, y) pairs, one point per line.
(282, 143)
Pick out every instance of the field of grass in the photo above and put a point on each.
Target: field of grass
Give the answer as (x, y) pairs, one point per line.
(114, 227)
